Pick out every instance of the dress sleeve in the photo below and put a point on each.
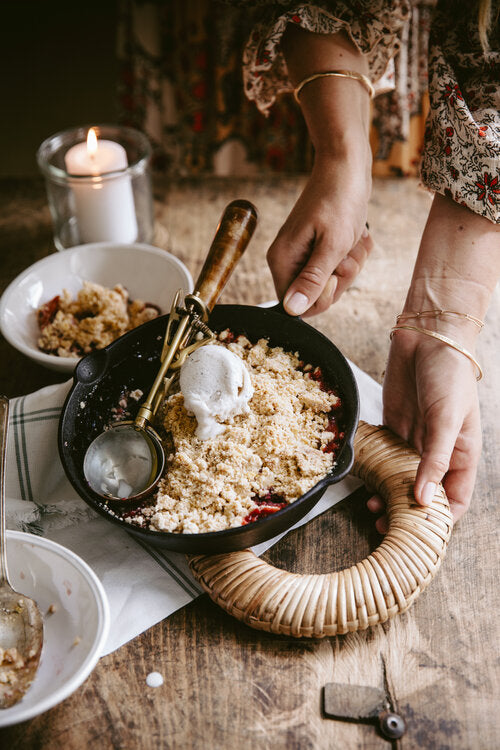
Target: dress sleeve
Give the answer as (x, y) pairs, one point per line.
(461, 155)
(373, 26)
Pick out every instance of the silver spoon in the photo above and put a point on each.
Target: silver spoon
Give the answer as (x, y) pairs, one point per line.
(126, 461)
(21, 624)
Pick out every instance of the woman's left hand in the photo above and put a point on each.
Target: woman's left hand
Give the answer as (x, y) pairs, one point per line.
(430, 400)
(430, 391)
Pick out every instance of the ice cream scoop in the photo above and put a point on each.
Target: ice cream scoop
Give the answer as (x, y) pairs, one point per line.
(216, 387)
(126, 460)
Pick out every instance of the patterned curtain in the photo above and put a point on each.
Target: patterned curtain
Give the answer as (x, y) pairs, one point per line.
(399, 115)
(181, 84)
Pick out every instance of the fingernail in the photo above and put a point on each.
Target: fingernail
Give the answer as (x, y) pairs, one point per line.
(297, 304)
(428, 493)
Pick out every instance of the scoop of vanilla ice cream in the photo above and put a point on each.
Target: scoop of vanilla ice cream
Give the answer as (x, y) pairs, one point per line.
(216, 387)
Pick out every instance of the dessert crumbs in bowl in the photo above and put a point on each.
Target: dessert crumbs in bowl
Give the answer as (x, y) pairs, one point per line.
(261, 462)
(97, 316)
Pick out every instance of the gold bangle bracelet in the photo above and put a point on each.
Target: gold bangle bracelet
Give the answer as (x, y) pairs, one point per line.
(438, 313)
(364, 80)
(445, 340)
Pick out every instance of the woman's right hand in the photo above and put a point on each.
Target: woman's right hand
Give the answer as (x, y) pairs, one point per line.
(324, 242)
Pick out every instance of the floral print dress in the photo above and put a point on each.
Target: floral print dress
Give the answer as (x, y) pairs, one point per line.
(461, 155)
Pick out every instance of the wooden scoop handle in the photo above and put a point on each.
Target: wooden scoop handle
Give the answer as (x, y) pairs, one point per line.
(231, 239)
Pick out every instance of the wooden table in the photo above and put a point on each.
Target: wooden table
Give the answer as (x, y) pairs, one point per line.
(227, 685)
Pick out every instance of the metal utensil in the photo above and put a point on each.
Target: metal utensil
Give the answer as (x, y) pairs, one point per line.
(363, 703)
(101, 379)
(21, 624)
(126, 461)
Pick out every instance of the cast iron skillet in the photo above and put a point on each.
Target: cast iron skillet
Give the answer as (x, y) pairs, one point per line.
(101, 378)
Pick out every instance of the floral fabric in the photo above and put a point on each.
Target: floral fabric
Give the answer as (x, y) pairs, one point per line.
(461, 155)
(462, 143)
(181, 69)
(372, 26)
(181, 83)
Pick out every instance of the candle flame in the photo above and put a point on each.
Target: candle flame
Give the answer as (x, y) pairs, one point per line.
(91, 142)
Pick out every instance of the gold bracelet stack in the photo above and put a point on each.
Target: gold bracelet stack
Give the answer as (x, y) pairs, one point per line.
(364, 80)
(445, 340)
(438, 314)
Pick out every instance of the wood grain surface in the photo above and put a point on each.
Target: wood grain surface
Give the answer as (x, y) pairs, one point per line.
(227, 685)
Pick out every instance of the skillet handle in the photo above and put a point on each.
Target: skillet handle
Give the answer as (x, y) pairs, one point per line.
(233, 234)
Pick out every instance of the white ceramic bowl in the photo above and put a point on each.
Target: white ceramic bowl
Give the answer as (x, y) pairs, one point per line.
(149, 273)
(74, 634)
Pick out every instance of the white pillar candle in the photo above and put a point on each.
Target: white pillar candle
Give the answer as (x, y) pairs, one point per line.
(104, 208)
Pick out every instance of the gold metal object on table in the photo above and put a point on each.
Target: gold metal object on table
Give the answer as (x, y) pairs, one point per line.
(363, 703)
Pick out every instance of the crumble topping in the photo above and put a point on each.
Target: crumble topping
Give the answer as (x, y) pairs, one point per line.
(16, 674)
(11, 662)
(96, 317)
(261, 462)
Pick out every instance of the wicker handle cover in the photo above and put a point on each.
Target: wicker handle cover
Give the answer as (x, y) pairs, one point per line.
(385, 583)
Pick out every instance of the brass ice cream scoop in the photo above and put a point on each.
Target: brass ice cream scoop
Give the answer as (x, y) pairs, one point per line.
(126, 461)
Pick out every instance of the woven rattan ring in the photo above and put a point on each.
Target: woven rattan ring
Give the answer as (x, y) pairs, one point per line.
(385, 583)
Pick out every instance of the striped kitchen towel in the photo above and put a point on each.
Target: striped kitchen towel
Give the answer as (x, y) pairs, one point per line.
(143, 584)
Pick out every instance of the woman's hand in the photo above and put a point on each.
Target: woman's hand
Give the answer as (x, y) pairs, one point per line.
(324, 242)
(430, 400)
(430, 390)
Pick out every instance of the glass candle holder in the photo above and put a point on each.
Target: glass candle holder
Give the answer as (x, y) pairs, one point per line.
(98, 184)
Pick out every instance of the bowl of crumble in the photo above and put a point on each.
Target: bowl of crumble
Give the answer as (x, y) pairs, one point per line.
(75, 614)
(256, 477)
(80, 300)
